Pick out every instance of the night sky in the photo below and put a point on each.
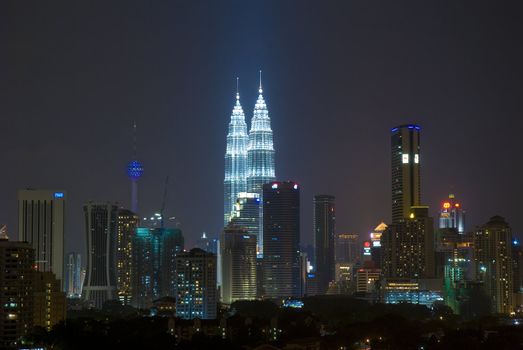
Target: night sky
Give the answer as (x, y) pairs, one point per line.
(337, 76)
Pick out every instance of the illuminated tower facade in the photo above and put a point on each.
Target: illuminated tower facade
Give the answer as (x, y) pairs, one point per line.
(405, 152)
(247, 215)
(238, 254)
(235, 160)
(134, 171)
(452, 215)
(260, 156)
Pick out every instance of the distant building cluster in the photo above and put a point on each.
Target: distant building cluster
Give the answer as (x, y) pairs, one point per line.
(142, 261)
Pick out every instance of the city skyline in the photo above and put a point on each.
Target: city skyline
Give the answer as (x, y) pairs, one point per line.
(315, 126)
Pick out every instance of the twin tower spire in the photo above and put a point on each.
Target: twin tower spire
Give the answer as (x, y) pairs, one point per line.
(249, 157)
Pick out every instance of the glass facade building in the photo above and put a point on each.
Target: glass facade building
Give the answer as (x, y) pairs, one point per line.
(324, 232)
(127, 223)
(235, 160)
(73, 276)
(238, 255)
(247, 215)
(153, 264)
(281, 235)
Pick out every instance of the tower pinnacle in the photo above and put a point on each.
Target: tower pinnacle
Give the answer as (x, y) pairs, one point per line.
(237, 88)
(260, 90)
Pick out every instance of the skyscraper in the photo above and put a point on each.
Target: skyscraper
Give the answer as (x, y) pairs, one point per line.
(196, 294)
(247, 215)
(127, 223)
(260, 154)
(41, 217)
(100, 279)
(16, 294)
(73, 275)
(405, 166)
(238, 254)
(452, 215)
(347, 248)
(134, 171)
(153, 264)
(493, 262)
(324, 227)
(408, 246)
(281, 235)
(235, 160)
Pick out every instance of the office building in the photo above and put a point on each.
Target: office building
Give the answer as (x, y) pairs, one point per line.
(493, 262)
(247, 214)
(238, 255)
(196, 295)
(405, 166)
(408, 246)
(49, 306)
(153, 264)
(41, 222)
(16, 292)
(73, 275)
(127, 222)
(347, 248)
(235, 180)
(375, 243)
(100, 280)
(281, 235)
(324, 228)
(366, 278)
(452, 215)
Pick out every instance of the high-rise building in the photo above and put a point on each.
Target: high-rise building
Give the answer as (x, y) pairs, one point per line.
(452, 215)
(406, 181)
(235, 160)
(493, 262)
(153, 264)
(238, 254)
(408, 246)
(281, 235)
(260, 154)
(49, 307)
(347, 248)
(196, 294)
(324, 227)
(41, 218)
(135, 172)
(127, 222)
(16, 293)
(375, 246)
(100, 280)
(73, 275)
(247, 214)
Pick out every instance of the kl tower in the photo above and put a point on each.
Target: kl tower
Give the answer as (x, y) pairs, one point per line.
(134, 171)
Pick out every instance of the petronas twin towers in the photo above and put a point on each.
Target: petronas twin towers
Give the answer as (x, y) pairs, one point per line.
(249, 157)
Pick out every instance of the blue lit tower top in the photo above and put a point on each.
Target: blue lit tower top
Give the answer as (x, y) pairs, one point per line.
(260, 156)
(235, 159)
(134, 171)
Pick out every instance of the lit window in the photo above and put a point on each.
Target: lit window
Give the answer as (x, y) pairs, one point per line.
(405, 158)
